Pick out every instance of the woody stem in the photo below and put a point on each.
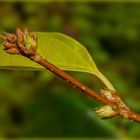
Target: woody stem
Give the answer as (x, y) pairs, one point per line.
(131, 115)
(72, 81)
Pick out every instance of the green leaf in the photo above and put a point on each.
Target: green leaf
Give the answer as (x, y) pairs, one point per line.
(65, 52)
(59, 49)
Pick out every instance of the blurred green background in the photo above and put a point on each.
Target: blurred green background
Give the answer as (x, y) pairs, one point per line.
(39, 104)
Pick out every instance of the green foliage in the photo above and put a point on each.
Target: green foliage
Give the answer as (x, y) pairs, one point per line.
(62, 51)
(65, 52)
(57, 48)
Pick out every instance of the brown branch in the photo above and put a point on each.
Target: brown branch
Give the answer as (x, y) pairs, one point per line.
(122, 110)
(71, 80)
(16, 44)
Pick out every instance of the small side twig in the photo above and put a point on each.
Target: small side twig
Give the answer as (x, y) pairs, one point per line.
(22, 43)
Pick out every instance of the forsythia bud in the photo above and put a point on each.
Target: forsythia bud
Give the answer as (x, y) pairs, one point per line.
(21, 43)
(107, 94)
(8, 45)
(12, 51)
(105, 111)
(30, 42)
(26, 42)
(10, 37)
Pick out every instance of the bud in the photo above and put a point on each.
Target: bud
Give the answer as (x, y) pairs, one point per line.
(10, 37)
(13, 51)
(21, 43)
(19, 35)
(8, 45)
(107, 94)
(30, 41)
(105, 111)
(26, 42)
(20, 40)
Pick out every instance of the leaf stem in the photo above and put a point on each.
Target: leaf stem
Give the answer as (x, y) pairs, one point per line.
(105, 81)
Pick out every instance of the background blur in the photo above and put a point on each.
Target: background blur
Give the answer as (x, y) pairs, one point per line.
(39, 104)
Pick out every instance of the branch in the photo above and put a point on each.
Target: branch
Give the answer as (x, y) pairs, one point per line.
(22, 43)
(71, 80)
(121, 108)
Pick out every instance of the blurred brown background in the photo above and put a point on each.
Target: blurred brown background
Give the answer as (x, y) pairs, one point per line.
(39, 104)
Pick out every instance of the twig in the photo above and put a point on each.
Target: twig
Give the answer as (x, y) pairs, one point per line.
(17, 44)
(72, 80)
(130, 115)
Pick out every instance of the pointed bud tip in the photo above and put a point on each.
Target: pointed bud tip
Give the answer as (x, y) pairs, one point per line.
(18, 29)
(19, 32)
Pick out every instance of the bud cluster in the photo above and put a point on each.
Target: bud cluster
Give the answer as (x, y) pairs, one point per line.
(20, 43)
